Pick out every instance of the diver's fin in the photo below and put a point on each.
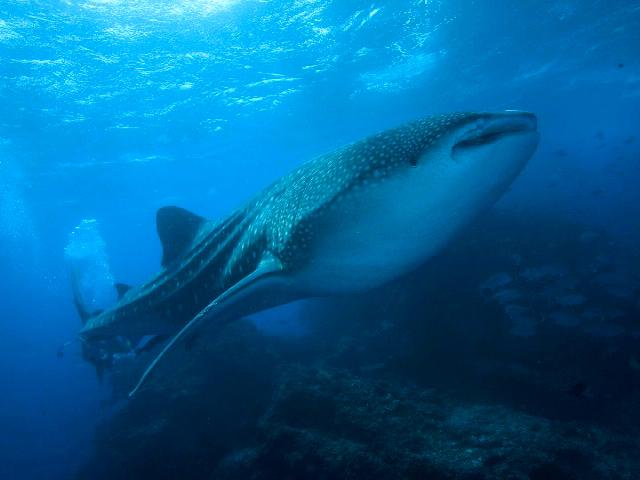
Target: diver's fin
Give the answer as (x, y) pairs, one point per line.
(177, 228)
(266, 267)
(122, 289)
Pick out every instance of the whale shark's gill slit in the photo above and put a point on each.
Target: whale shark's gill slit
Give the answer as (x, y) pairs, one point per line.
(218, 255)
(205, 266)
(219, 235)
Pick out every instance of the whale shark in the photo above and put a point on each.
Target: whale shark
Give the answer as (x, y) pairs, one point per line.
(346, 221)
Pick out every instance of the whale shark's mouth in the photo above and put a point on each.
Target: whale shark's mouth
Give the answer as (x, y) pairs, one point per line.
(495, 127)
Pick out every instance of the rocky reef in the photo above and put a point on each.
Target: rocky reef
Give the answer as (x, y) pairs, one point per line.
(513, 355)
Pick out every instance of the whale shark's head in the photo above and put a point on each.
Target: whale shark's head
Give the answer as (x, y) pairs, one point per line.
(462, 163)
(417, 185)
(481, 151)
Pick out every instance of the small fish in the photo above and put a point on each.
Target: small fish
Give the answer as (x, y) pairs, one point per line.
(578, 389)
(544, 272)
(495, 282)
(571, 300)
(516, 259)
(507, 296)
(564, 319)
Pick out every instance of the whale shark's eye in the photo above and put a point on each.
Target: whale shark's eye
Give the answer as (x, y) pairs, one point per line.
(413, 160)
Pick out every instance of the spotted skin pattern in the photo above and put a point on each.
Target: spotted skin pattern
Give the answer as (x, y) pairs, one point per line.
(280, 222)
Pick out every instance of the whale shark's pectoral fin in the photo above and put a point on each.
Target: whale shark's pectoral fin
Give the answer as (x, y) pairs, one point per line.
(217, 308)
(121, 289)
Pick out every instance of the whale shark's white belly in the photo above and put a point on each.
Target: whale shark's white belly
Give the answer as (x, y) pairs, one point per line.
(378, 231)
(369, 237)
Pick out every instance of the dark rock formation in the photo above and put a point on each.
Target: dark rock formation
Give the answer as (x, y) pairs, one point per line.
(423, 379)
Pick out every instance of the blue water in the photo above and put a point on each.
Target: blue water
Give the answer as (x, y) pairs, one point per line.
(111, 109)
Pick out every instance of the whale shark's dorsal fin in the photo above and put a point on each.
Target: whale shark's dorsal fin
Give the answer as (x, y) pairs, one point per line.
(122, 289)
(177, 228)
